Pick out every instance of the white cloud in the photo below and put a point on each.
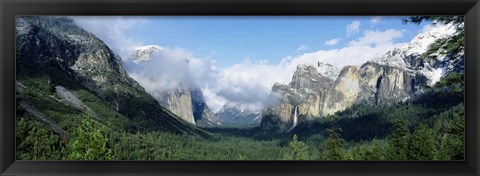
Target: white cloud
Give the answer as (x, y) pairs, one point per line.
(377, 37)
(302, 48)
(113, 31)
(353, 28)
(248, 82)
(332, 41)
(165, 69)
(242, 83)
(376, 19)
(371, 45)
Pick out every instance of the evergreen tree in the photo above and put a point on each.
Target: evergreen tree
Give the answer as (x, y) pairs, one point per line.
(452, 45)
(422, 144)
(399, 139)
(441, 19)
(371, 151)
(299, 149)
(90, 143)
(34, 142)
(333, 145)
(452, 142)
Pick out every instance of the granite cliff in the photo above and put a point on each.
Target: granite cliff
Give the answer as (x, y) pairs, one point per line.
(396, 76)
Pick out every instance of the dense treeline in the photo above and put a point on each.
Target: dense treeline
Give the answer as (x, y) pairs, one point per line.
(429, 126)
(442, 141)
(414, 130)
(113, 136)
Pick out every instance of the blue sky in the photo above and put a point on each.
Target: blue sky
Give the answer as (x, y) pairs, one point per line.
(238, 59)
(230, 40)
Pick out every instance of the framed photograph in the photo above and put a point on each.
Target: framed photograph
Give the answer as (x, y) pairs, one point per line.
(239, 87)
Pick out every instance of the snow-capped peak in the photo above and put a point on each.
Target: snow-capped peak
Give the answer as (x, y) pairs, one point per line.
(402, 56)
(144, 53)
(417, 46)
(422, 41)
(233, 107)
(238, 114)
(328, 70)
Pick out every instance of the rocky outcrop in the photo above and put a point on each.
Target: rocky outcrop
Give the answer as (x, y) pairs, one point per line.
(70, 99)
(76, 59)
(391, 84)
(201, 109)
(347, 89)
(186, 102)
(183, 97)
(209, 119)
(374, 83)
(179, 101)
(396, 76)
(307, 78)
(307, 90)
(316, 96)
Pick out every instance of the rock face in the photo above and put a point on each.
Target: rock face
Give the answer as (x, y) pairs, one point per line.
(374, 83)
(307, 78)
(179, 101)
(307, 90)
(70, 99)
(347, 89)
(201, 111)
(209, 119)
(394, 77)
(57, 40)
(57, 48)
(184, 99)
(317, 96)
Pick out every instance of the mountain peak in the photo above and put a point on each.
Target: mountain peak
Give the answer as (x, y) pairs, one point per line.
(69, 56)
(307, 76)
(238, 114)
(144, 53)
(324, 69)
(409, 56)
(328, 70)
(399, 56)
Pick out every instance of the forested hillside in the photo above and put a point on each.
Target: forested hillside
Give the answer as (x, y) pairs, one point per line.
(75, 101)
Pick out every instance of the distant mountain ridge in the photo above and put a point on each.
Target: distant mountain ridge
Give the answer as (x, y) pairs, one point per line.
(238, 115)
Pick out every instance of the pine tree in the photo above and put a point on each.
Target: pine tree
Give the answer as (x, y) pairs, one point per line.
(90, 143)
(442, 19)
(333, 145)
(422, 144)
(35, 142)
(452, 45)
(371, 151)
(458, 134)
(399, 139)
(299, 149)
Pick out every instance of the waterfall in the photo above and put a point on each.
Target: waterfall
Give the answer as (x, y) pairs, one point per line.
(295, 118)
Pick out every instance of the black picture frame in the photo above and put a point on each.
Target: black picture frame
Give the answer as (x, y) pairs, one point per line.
(10, 8)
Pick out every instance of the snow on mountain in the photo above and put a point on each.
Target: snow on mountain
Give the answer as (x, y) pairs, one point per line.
(238, 114)
(328, 70)
(144, 53)
(236, 107)
(409, 56)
